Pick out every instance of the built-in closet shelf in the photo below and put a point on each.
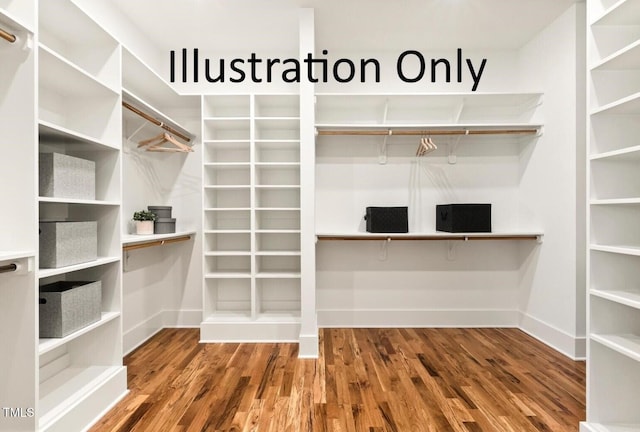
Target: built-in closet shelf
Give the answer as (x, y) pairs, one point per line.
(626, 105)
(71, 386)
(45, 200)
(227, 231)
(227, 275)
(628, 298)
(531, 235)
(625, 154)
(600, 427)
(277, 275)
(56, 72)
(44, 273)
(277, 164)
(58, 134)
(277, 186)
(15, 255)
(140, 104)
(626, 344)
(623, 59)
(227, 316)
(12, 23)
(616, 201)
(278, 208)
(623, 250)
(276, 231)
(624, 12)
(48, 344)
(137, 241)
(222, 253)
(225, 209)
(227, 187)
(278, 253)
(227, 164)
(426, 128)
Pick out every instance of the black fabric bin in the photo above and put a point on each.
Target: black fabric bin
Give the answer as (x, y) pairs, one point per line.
(387, 219)
(463, 218)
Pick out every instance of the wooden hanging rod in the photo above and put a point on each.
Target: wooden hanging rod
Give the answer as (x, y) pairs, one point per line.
(156, 243)
(155, 121)
(421, 132)
(7, 36)
(8, 268)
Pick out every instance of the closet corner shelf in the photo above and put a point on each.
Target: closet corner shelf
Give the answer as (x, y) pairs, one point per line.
(137, 103)
(529, 235)
(130, 242)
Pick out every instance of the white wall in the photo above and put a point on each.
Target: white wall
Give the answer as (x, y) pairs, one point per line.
(552, 187)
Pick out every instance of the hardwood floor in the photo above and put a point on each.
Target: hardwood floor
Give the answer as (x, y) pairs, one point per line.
(374, 380)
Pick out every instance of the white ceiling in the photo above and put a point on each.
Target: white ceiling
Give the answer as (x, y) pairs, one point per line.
(346, 25)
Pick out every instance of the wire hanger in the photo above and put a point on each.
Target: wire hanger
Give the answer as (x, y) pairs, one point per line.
(156, 144)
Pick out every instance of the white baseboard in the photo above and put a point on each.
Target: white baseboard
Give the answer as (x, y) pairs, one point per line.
(417, 318)
(139, 334)
(573, 347)
(308, 346)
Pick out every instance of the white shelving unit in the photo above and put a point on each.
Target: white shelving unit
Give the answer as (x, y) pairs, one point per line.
(613, 259)
(357, 131)
(251, 174)
(18, 294)
(82, 374)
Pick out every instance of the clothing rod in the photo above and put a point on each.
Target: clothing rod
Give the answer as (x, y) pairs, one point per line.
(155, 243)
(8, 268)
(391, 132)
(155, 121)
(7, 36)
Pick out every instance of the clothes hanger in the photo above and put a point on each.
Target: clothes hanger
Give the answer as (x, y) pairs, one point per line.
(155, 144)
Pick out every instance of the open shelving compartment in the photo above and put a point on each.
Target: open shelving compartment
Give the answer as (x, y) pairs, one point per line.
(613, 255)
(251, 174)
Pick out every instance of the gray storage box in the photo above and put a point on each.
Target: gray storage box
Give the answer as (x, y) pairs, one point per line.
(164, 226)
(161, 212)
(66, 307)
(63, 176)
(67, 243)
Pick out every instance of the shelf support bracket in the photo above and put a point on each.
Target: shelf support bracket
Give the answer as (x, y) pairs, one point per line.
(384, 249)
(453, 148)
(451, 250)
(382, 153)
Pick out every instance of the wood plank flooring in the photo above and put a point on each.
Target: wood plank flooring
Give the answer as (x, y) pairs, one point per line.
(373, 380)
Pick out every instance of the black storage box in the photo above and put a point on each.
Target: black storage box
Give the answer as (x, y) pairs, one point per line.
(463, 218)
(387, 220)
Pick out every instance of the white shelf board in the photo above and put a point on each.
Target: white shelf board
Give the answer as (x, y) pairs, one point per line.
(625, 154)
(626, 344)
(226, 141)
(292, 317)
(130, 98)
(227, 275)
(228, 231)
(619, 249)
(216, 209)
(65, 389)
(227, 187)
(276, 165)
(279, 186)
(628, 298)
(278, 253)
(12, 23)
(230, 120)
(131, 239)
(427, 126)
(228, 316)
(77, 201)
(220, 253)
(15, 255)
(603, 427)
(623, 59)
(277, 141)
(278, 275)
(58, 73)
(227, 164)
(278, 231)
(59, 134)
(47, 344)
(277, 208)
(624, 12)
(626, 105)
(43, 273)
(616, 201)
(436, 235)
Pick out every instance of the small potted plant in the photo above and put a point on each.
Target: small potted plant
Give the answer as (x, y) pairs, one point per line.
(144, 222)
